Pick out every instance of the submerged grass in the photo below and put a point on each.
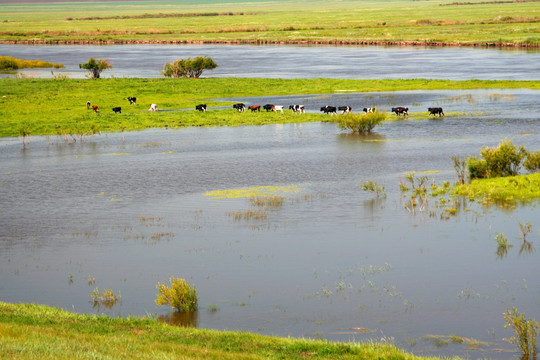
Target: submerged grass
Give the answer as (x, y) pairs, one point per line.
(31, 331)
(253, 192)
(58, 106)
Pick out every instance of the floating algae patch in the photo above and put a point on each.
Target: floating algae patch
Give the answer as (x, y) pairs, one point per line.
(119, 154)
(255, 191)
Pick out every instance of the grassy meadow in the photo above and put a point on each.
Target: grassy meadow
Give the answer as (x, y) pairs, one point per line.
(39, 332)
(275, 21)
(58, 106)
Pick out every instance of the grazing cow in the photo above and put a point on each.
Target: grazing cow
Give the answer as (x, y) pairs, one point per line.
(345, 109)
(297, 108)
(254, 108)
(95, 108)
(132, 100)
(201, 107)
(153, 107)
(369, 110)
(117, 110)
(88, 105)
(277, 108)
(268, 107)
(240, 107)
(329, 109)
(436, 111)
(400, 110)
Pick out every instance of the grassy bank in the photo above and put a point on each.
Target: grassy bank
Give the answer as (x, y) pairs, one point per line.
(58, 106)
(277, 21)
(41, 332)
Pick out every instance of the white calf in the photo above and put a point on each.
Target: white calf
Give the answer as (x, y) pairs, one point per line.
(153, 107)
(277, 108)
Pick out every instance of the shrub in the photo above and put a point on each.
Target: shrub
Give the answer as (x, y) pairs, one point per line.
(460, 165)
(8, 63)
(180, 295)
(504, 160)
(361, 123)
(532, 162)
(189, 68)
(96, 67)
(526, 331)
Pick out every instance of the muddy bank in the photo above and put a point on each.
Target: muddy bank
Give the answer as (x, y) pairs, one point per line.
(273, 42)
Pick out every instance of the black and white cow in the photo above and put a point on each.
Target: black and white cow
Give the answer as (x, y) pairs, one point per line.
(400, 110)
(436, 111)
(268, 107)
(345, 109)
(277, 108)
(240, 107)
(329, 109)
(369, 110)
(201, 107)
(117, 110)
(297, 108)
(132, 100)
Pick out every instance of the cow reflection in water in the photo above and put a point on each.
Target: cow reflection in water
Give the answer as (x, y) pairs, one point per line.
(181, 318)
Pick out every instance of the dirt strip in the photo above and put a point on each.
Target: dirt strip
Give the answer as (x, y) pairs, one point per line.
(276, 42)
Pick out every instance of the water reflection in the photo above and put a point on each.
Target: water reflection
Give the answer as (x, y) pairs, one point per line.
(526, 247)
(181, 318)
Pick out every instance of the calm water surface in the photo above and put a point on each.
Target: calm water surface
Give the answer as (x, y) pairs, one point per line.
(332, 262)
(293, 62)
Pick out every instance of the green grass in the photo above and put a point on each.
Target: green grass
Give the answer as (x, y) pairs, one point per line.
(503, 191)
(58, 106)
(275, 21)
(30, 331)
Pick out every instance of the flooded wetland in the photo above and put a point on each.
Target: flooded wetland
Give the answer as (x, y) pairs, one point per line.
(272, 227)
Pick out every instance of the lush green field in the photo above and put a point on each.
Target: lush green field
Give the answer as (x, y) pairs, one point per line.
(40, 332)
(58, 106)
(251, 21)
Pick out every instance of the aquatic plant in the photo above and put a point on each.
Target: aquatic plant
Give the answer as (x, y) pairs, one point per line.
(11, 63)
(274, 202)
(96, 67)
(532, 162)
(526, 331)
(360, 123)
(460, 165)
(373, 187)
(255, 191)
(502, 245)
(107, 297)
(180, 295)
(524, 229)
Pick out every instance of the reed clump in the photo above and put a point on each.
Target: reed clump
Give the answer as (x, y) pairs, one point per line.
(526, 331)
(10, 63)
(180, 295)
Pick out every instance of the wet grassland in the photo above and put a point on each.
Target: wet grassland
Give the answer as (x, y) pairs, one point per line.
(493, 23)
(57, 107)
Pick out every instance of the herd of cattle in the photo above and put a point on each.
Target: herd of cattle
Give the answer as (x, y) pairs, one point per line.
(241, 107)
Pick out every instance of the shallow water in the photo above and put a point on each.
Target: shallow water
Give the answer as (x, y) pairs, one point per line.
(293, 62)
(333, 262)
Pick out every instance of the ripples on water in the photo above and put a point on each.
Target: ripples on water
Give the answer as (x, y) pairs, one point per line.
(331, 262)
(291, 62)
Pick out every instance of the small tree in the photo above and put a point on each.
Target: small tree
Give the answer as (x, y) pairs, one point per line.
(180, 295)
(96, 66)
(189, 68)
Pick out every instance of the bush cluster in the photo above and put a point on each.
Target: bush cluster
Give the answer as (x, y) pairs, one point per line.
(180, 295)
(504, 160)
(189, 68)
(360, 123)
(10, 63)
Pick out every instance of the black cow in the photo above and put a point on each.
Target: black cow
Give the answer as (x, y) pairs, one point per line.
(329, 109)
(132, 100)
(240, 107)
(368, 110)
(201, 107)
(436, 111)
(254, 108)
(400, 110)
(117, 110)
(345, 109)
(268, 107)
(88, 105)
(297, 108)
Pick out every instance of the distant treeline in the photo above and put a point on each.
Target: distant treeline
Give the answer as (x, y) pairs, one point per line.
(488, 2)
(10, 63)
(160, 15)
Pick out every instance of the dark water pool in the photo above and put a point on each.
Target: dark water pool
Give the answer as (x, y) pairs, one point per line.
(331, 262)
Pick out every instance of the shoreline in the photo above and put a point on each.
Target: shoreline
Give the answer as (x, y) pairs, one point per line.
(500, 45)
